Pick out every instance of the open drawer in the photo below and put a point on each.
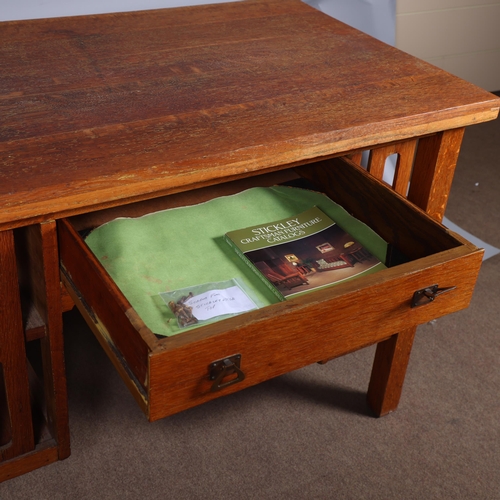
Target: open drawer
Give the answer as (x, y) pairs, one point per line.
(169, 374)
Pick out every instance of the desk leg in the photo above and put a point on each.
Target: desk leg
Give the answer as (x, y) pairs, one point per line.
(433, 171)
(17, 432)
(431, 178)
(389, 370)
(41, 263)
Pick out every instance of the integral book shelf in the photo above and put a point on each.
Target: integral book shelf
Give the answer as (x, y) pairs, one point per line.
(169, 108)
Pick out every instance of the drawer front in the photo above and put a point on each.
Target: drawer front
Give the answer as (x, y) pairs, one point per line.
(291, 335)
(172, 374)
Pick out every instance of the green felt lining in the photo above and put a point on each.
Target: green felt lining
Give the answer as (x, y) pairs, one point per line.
(182, 247)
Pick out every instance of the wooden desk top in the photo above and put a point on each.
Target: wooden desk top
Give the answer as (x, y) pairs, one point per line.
(101, 110)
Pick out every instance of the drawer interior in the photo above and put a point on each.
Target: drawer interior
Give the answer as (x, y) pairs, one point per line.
(421, 251)
(405, 227)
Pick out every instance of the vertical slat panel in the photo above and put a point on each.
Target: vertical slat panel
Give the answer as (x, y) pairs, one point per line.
(404, 165)
(431, 178)
(13, 354)
(376, 161)
(356, 157)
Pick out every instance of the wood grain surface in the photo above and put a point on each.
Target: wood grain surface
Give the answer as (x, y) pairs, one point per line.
(99, 110)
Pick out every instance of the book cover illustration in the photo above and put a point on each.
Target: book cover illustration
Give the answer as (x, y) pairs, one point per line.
(302, 253)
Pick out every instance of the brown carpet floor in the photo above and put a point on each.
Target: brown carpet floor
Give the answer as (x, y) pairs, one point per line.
(309, 434)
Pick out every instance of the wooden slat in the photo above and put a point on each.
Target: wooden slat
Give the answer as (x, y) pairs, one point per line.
(13, 355)
(52, 345)
(44, 454)
(405, 152)
(356, 157)
(37, 250)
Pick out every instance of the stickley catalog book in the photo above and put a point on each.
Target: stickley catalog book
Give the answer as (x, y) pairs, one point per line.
(302, 253)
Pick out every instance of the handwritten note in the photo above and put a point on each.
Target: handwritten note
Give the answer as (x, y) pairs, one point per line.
(215, 303)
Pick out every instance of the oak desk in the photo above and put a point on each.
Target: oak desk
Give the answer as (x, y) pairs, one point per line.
(108, 111)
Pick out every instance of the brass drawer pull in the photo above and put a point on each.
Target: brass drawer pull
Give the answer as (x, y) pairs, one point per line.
(223, 368)
(428, 294)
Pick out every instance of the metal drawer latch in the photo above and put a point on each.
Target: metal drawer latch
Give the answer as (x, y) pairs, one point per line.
(428, 294)
(223, 368)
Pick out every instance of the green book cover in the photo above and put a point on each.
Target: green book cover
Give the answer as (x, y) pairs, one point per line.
(302, 253)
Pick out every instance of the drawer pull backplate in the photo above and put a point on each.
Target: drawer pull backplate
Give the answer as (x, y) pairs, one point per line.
(223, 368)
(428, 294)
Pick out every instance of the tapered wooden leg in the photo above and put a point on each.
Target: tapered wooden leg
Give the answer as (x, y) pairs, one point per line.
(388, 372)
(13, 358)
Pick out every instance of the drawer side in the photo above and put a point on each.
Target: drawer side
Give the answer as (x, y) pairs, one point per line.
(393, 217)
(103, 300)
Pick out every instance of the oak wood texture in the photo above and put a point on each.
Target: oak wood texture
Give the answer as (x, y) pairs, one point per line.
(173, 372)
(97, 112)
(102, 110)
(44, 249)
(428, 163)
(389, 370)
(405, 152)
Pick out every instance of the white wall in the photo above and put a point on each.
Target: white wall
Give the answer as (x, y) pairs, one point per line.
(459, 36)
(375, 17)
(35, 9)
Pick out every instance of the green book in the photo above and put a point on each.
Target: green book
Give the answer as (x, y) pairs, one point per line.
(302, 253)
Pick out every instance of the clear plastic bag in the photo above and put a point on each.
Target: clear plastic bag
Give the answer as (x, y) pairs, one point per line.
(208, 302)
